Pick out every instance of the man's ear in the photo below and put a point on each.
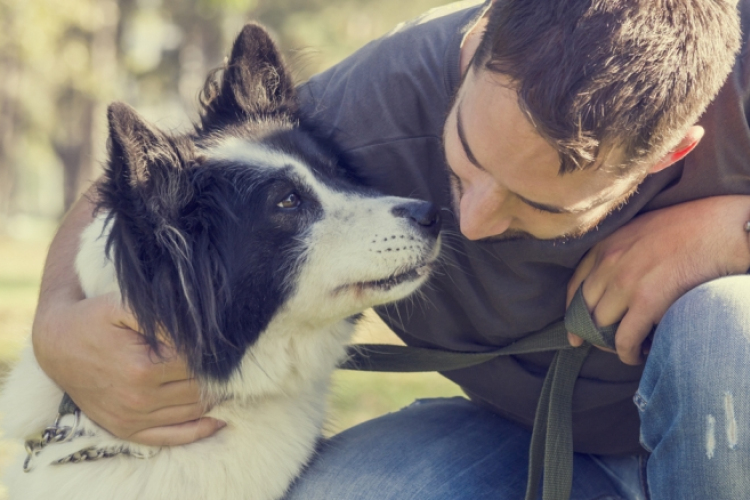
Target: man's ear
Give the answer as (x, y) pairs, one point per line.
(692, 137)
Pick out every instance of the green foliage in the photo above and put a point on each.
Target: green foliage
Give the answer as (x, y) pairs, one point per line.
(62, 62)
(238, 6)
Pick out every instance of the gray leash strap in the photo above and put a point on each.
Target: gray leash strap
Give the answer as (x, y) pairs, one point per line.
(551, 450)
(398, 358)
(552, 438)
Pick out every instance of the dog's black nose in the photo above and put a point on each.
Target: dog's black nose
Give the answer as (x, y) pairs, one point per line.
(423, 214)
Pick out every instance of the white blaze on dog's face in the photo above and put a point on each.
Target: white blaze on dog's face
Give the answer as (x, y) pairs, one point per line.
(357, 249)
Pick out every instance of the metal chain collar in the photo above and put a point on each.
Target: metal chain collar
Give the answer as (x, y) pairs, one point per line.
(57, 433)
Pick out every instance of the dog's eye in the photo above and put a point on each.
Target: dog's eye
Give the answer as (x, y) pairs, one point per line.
(292, 200)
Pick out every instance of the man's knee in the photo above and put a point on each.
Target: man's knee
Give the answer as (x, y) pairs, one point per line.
(713, 317)
(700, 349)
(693, 393)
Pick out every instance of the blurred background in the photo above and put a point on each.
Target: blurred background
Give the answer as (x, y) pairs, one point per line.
(63, 62)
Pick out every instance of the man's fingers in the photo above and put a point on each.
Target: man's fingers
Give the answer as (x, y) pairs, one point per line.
(165, 367)
(149, 400)
(173, 415)
(610, 307)
(579, 276)
(581, 273)
(180, 392)
(125, 424)
(575, 340)
(184, 433)
(634, 329)
(606, 308)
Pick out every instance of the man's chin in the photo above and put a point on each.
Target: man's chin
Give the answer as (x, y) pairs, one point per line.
(508, 235)
(517, 235)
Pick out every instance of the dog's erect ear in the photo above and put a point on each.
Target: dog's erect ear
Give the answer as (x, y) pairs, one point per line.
(139, 153)
(254, 83)
(144, 162)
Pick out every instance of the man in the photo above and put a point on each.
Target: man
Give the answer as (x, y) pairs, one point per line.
(559, 138)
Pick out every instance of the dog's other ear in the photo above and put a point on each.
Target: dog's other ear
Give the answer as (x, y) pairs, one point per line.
(254, 84)
(140, 155)
(148, 192)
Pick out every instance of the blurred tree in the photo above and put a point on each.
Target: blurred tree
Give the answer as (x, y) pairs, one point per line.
(56, 69)
(62, 62)
(9, 69)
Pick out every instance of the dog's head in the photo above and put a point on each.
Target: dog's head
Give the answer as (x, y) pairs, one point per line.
(214, 234)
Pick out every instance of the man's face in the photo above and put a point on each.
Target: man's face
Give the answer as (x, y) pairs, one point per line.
(505, 179)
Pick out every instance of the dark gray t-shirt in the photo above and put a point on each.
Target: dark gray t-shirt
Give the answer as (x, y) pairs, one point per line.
(385, 107)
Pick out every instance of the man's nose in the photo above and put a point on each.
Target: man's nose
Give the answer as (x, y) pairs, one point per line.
(484, 214)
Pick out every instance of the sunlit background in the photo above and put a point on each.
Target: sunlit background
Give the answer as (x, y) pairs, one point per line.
(63, 61)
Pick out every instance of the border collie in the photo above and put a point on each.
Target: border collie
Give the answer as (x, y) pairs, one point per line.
(253, 251)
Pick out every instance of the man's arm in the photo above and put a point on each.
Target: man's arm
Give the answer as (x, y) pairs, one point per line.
(639, 271)
(91, 348)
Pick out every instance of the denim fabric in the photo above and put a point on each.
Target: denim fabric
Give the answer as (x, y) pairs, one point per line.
(694, 400)
(694, 396)
(437, 449)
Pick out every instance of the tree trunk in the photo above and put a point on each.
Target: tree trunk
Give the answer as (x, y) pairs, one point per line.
(8, 123)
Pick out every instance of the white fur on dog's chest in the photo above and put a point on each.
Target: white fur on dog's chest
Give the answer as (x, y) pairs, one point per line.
(95, 271)
(274, 411)
(256, 456)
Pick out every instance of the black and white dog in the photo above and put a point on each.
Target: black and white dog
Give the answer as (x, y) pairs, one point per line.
(250, 249)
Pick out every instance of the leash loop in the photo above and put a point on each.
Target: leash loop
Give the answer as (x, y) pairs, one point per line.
(551, 449)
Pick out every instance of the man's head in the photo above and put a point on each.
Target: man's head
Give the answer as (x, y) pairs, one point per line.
(567, 105)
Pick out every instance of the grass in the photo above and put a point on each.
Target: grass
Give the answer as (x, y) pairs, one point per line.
(20, 271)
(356, 396)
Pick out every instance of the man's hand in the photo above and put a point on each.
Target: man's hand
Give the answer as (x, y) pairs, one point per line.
(638, 272)
(91, 349)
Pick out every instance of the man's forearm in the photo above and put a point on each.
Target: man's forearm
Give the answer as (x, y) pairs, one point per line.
(736, 222)
(59, 279)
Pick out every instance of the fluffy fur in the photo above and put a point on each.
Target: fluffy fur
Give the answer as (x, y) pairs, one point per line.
(251, 249)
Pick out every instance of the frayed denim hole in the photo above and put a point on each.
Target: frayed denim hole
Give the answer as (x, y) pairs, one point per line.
(640, 402)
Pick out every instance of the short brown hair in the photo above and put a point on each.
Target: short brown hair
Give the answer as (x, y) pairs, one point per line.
(593, 75)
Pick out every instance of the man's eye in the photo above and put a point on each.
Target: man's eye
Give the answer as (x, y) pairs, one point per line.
(292, 200)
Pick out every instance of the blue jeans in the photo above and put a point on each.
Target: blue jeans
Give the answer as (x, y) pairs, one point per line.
(694, 402)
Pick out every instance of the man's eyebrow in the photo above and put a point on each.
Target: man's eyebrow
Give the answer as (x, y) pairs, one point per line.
(464, 142)
(473, 159)
(552, 208)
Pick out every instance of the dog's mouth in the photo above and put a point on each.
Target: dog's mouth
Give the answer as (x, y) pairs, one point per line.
(386, 284)
(397, 279)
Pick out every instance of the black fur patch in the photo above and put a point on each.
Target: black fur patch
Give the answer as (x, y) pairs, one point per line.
(204, 254)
